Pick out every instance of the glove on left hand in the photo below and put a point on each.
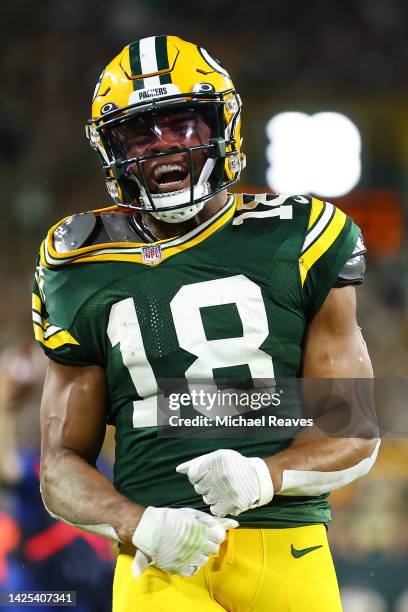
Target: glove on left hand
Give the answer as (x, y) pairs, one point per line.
(229, 482)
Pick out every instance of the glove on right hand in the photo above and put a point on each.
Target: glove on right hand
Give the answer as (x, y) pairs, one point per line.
(177, 540)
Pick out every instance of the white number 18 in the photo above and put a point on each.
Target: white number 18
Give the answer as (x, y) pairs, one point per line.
(124, 329)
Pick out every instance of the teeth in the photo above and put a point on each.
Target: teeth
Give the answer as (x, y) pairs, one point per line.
(164, 168)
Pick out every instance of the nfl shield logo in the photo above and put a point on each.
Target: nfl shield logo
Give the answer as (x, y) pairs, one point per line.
(151, 253)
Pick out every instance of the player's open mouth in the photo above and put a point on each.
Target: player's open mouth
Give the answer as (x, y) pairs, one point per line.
(170, 177)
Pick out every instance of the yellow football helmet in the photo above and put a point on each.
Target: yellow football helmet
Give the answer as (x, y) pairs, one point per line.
(156, 79)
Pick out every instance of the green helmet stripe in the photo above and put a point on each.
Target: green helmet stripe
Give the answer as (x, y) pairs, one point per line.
(162, 58)
(165, 78)
(161, 53)
(135, 64)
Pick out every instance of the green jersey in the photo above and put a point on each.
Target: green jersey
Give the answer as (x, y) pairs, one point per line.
(232, 299)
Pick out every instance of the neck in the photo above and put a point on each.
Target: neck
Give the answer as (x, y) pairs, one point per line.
(162, 230)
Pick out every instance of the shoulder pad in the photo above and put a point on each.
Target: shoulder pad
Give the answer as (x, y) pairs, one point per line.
(117, 226)
(74, 232)
(352, 273)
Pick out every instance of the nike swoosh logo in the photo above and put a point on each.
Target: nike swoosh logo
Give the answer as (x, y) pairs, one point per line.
(303, 551)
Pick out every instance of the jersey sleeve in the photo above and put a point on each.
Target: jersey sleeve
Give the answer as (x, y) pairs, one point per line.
(62, 332)
(329, 242)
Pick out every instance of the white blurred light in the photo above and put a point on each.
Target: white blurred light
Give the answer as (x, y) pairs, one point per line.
(313, 153)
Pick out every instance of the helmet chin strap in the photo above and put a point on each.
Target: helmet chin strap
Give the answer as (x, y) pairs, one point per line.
(180, 197)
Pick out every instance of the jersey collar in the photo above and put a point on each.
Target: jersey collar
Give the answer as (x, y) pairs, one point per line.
(150, 254)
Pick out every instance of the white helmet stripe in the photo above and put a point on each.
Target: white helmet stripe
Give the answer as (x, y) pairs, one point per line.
(148, 61)
(211, 61)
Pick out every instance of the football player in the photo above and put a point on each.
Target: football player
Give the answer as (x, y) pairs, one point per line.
(181, 279)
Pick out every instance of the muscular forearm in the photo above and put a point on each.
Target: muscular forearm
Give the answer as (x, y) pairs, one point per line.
(78, 493)
(73, 427)
(337, 391)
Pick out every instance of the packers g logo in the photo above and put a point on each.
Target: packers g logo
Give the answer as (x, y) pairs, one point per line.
(108, 107)
(203, 88)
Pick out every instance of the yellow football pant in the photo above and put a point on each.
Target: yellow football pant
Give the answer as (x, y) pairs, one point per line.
(256, 570)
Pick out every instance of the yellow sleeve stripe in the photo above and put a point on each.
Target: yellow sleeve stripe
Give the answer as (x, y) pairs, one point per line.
(317, 207)
(322, 244)
(54, 341)
(43, 260)
(36, 302)
(44, 332)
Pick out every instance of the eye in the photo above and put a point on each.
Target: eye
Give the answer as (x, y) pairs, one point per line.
(138, 139)
(143, 137)
(184, 130)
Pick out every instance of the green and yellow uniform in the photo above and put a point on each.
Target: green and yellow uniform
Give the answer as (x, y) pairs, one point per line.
(231, 299)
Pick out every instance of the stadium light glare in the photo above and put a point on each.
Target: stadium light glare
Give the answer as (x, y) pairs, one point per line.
(318, 153)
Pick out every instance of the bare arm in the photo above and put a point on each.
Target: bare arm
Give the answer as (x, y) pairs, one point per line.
(334, 349)
(73, 417)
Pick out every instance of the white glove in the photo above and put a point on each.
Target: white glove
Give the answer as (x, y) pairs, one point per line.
(177, 540)
(229, 482)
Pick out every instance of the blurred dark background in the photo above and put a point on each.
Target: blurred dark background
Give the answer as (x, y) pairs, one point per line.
(321, 56)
